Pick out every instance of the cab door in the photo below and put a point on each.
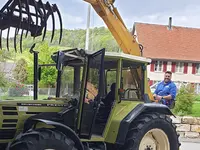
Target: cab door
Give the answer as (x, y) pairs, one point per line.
(94, 91)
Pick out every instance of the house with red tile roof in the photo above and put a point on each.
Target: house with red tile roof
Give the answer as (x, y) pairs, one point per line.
(171, 48)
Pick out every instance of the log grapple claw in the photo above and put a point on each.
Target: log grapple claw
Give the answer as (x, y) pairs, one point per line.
(19, 14)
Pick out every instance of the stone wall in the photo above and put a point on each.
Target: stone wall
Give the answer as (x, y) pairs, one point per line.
(187, 127)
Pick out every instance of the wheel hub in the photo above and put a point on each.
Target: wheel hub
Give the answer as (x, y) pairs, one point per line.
(149, 148)
(155, 139)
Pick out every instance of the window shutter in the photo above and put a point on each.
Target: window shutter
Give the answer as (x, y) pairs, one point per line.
(150, 82)
(164, 66)
(152, 65)
(173, 66)
(185, 68)
(193, 68)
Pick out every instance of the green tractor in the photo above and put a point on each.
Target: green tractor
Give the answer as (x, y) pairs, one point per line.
(106, 108)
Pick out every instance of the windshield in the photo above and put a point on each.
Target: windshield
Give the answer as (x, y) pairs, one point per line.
(132, 84)
(70, 81)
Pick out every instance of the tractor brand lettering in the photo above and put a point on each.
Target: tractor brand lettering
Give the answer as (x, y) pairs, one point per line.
(21, 108)
(42, 105)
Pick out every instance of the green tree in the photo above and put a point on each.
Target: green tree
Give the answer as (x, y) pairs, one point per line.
(3, 81)
(48, 74)
(20, 71)
(100, 37)
(48, 77)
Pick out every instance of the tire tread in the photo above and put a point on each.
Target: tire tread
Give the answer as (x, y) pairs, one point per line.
(137, 126)
(28, 140)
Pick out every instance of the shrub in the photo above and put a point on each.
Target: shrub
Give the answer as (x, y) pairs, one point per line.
(184, 100)
(18, 90)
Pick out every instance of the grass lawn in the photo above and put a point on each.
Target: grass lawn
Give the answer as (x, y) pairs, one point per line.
(197, 98)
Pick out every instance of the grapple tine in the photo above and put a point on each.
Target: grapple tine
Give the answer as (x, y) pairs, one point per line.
(1, 39)
(21, 40)
(10, 20)
(15, 37)
(29, 16)
(53, 20)
(45, 18)
(36, 11)
(60, 19)
(7, 43)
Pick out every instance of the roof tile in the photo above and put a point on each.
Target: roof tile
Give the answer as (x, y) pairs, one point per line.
(179, 43)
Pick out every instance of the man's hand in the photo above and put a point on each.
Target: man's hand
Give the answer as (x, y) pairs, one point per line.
(154, 96)
(158, 97)
(87, 100)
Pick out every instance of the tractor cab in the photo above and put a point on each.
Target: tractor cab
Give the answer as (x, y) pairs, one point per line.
(98, 81)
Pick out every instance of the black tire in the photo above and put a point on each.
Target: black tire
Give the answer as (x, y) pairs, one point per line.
(147, 122)
(41, 139)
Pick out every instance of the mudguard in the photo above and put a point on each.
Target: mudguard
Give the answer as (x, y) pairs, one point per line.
(139, 109)
(59, 126)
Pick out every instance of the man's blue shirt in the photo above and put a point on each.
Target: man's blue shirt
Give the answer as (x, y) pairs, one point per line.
(164, 89)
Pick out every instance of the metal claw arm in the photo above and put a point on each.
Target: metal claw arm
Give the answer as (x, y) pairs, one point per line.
(19, 15)
(110, 15)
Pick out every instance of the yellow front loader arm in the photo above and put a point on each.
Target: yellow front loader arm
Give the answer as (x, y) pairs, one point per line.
(115, 24)
(110, 15)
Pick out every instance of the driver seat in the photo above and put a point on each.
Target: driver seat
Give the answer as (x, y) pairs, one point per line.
(105, 107)
(110, 97)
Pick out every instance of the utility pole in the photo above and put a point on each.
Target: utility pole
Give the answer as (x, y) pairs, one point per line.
(88, 28)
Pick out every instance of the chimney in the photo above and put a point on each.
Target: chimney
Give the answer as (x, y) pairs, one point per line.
(170, 23)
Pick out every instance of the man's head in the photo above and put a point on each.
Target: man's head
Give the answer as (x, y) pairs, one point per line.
(168, 76)
(112, 87)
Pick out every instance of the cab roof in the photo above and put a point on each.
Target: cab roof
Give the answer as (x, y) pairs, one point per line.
(76, 57)
(116, 55)
(121, 55)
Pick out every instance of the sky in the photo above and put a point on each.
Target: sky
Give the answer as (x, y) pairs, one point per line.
(183, 12)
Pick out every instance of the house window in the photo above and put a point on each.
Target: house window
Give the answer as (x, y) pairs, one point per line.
(179, 67)
(198, 68)
(158, 66)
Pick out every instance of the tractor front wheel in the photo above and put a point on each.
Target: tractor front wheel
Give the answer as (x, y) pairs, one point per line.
(42, 139)
(152, 132)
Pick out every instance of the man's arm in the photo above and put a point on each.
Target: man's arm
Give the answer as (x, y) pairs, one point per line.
(156, 91)
(172, 94)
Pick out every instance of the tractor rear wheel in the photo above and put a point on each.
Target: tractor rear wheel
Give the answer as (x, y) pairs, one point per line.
(152, 132)
(42, 139)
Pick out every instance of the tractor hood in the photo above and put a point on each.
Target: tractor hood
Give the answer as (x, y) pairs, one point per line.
(30, 107)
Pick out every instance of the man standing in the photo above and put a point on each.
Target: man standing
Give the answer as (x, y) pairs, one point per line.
(165, 92)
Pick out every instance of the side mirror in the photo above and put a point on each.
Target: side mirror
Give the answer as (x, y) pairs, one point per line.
(60, 58)
(39, 73)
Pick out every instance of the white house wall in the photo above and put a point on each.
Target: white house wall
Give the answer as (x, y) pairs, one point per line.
(189, 77)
